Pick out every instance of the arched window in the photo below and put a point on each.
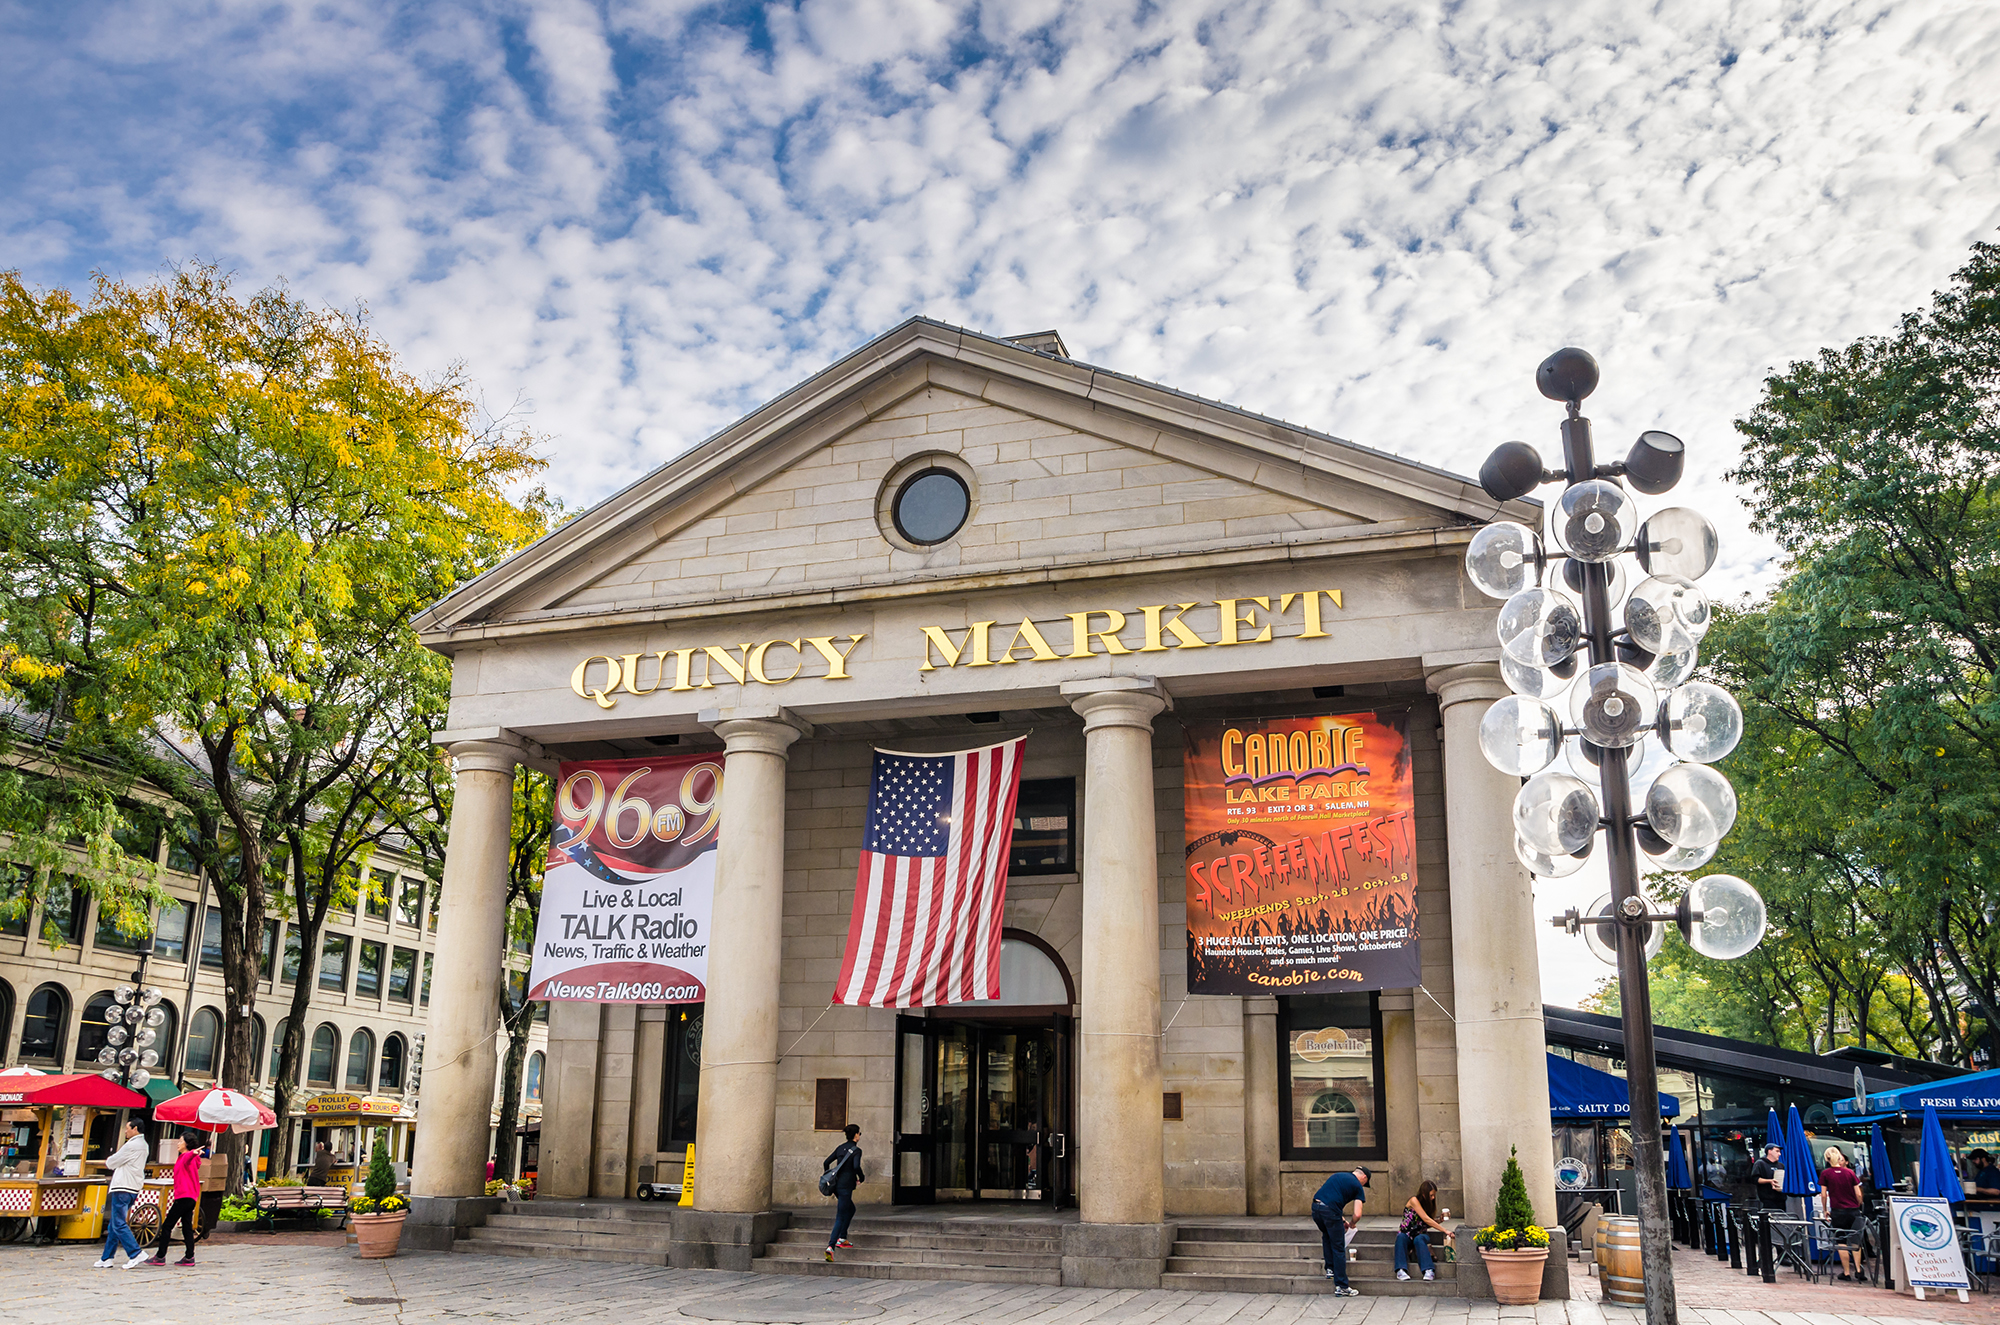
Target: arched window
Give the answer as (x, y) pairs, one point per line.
(319, 1063)
(278, 1047)
(204, 1040)
(45, 1026)
(163, 1034)
(532, 1090)
(256, 1042)
(391, 1077)
(1333, 1121)
(360, 1059)
(6, 1012)
(96, 1023)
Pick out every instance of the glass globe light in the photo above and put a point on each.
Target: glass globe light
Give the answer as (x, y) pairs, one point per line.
(1539, 627)
(1520, 736)
(1602, 940)
(1666, 614)
(1668, 670)
(1643, 763)
(128, 1056)
(1614, 589)
(1537, 682)
(1690, 805)
(107, 1055)
(140, 1076)
(116, 1035)
(1546, 866)
(1701, 722)
(134, 1015)
(1614, 705)
(1503, 559)
(149, 1058)
(144, 1036)
(1594, 520)
(1722, 916)
(1677, 541)
(1556, 813)
(148, 998)
(1678, 859)
(156, 1017)
(109, 1074)
(123, 993)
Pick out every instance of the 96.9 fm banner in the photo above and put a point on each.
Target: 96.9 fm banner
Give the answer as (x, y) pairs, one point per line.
(630, 882)
(1301, 855)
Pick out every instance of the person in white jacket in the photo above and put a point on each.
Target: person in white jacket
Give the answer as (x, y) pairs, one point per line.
(128, 1178)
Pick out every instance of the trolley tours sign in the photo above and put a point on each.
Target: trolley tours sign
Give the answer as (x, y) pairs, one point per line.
(1301, 855)
(630, 882)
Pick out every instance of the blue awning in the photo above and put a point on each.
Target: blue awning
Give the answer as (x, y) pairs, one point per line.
(1579, 1091)
(1975, 1095)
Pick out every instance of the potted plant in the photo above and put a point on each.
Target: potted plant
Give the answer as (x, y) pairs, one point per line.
(239, 1210)
(378, 1212)
(1514, 1247)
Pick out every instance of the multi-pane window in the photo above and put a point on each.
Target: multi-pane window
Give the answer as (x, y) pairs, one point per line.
(425, 997)
(204, 1038)
(109, 935)
(375, 894)
(211, 939)
(391, 1076)
(1331, 1087)
(402, 974)
(410, 899)
(267, 956)
(360, 1059)
(333, 962)
(1044, 827)
(368, 971)
(170, 933)
(319, 1061)
(294, 954)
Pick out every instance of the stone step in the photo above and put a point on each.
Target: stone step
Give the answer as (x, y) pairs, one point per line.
(848, 1269)
(1281, 1234)
(636, 1228)
(872, 1239)
(1308, 1284)
(978, 1228)
(543, 1251)
(972, 1258)
(644, 1242)
(1283, 1267)
(626, 1211)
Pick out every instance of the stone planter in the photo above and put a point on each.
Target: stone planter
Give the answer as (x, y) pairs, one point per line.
(1516, 1275)
(377, 1236)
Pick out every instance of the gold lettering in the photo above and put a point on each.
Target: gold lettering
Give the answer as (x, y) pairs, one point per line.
(614, 674)
(1081, 633)
(756, 661)
(718, 655)
(1186, 638)
(1313, 628)
(976, 640)
(1039, 650)
(1232, 767)
(1232, 618)
(632, 673)
(1322, 748)
(683, 668)
(836, 659)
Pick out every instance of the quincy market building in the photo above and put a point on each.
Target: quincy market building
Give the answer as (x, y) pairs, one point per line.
(942, 541)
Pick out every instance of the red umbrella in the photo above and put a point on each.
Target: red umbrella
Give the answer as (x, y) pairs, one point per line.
(68, 1088)
(218, 1109)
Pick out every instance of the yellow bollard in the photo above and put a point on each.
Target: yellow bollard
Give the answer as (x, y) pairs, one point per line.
(687, 1177)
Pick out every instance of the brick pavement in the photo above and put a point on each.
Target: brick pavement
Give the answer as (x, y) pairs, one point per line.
(325, 1285)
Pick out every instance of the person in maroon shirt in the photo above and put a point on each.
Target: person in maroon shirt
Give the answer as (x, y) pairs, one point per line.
(1843, 1199)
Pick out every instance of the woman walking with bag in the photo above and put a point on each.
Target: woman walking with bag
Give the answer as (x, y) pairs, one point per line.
(187, 1196)
(836, 1179)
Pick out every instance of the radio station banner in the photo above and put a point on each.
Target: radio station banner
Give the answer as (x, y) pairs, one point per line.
(1301, 855)
(630, 882)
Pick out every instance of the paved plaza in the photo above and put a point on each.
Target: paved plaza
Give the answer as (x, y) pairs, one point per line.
(318, 1281)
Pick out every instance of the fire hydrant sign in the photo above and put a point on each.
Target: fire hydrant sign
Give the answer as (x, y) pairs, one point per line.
(1301, 855)
(630, 882)
(1926, 1238)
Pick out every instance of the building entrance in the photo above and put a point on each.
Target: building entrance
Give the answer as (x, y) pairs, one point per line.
(983, 1109)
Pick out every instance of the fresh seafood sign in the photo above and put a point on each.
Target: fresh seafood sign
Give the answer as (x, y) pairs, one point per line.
(630, 882)
(1301, 854)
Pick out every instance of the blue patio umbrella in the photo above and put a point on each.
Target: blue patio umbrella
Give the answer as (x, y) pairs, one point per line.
(1774, 1135)
(1677, 1164)
(1880, 1171)
(1801, 1174)
(1937, 1172)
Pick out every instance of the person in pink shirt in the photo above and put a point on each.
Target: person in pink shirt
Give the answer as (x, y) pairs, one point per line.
(187, 1197)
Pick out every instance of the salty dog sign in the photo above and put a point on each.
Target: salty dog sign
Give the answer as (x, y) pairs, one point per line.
(1301, 855)
(630, 881)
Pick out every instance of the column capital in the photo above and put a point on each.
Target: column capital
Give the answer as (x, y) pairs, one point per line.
(756, 731)
(1464, 676)
(1115, 701)
(469, 740)
(487, 756)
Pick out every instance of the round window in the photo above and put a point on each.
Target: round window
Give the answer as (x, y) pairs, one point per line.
(931, 506)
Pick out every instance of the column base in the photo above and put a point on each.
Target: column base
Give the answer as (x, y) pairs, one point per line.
(719, 1240)
(435, 1222)
(1473, 1282)
(1115, 1255)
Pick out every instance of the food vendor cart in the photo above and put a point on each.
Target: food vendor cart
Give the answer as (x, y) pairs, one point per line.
(48, 1120)
(347, 1122)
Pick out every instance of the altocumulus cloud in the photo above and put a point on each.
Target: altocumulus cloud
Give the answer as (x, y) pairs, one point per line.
(644, 216)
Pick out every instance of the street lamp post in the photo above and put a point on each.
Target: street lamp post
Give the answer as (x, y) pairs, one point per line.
(135, 1018)
(1618, 662)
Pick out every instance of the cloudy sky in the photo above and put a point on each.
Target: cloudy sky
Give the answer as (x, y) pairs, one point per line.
(639, 218)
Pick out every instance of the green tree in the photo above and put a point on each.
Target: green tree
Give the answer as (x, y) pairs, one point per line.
(217, 517)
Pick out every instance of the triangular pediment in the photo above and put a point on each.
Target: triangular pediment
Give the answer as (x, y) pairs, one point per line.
(1068, 466)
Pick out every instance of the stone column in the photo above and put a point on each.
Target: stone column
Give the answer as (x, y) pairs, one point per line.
(461, 1055)
(1503, 1085)
(569, 1099)
(734, 1134)
(1121, 1149)
(1261, 1195)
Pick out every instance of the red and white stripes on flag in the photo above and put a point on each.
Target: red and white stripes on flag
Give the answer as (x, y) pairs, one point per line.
(925, 930)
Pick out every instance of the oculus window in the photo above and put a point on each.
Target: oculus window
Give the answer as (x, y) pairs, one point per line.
(1330, 1088)
(931, 506)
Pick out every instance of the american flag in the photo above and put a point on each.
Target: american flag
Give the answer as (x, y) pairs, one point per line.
(933, 883)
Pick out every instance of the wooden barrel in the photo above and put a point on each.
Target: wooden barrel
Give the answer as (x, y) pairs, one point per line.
(1622, 1272)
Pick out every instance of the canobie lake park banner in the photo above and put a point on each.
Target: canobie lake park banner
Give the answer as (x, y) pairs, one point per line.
(1301, 855)
(630, 882)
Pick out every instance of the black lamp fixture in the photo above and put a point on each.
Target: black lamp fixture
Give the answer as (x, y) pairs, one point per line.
(1600, 670)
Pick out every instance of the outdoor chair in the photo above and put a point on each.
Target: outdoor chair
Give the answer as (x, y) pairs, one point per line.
(307, 1203)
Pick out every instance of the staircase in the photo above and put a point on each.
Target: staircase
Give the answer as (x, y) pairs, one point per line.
(975, 1250)
(1269, 1257)
(575, 1231)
